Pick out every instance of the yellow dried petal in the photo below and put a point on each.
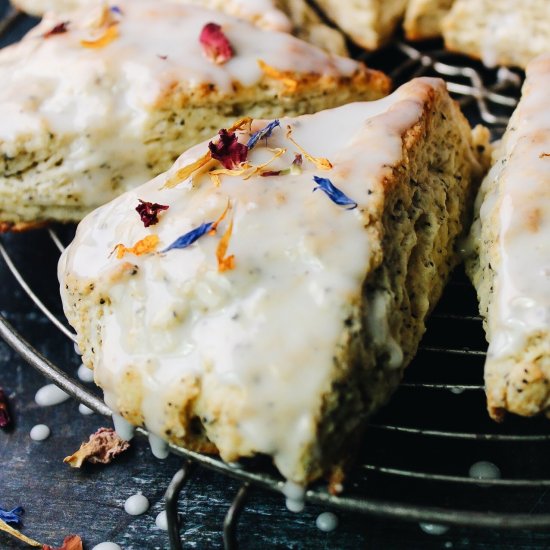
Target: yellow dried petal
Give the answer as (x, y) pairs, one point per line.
(240, 124)
(183, 173)
(143, 246)
(321, 163)
(220, 219)
(225, 263)
(290, 83)
(257, 169)
(15, 533)
(110, 34)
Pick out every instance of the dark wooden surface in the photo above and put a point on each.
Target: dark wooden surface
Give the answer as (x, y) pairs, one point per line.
(59, 500)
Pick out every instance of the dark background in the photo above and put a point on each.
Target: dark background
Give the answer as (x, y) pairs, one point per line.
(90, 502)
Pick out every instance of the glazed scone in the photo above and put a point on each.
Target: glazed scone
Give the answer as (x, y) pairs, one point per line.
(499, 32)
(423, 18)
(294, 16)
(511, 268)
(82, 124)
(291, 316)
(369, 23)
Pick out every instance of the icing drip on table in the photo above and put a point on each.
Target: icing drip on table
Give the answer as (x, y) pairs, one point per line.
(50, 395)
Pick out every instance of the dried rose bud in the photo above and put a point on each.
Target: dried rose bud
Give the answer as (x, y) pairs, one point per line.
(215, 44)
(228, 150)
(60, 28)
(101, 448)
(5, 418)
(72, 542)
(148, 212)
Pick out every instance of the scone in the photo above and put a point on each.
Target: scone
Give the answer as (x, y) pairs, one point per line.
(265, 294)
(369, 23)
(93, 106)
(511, 267)
(294, 16)
(499, 32)
(423, 18)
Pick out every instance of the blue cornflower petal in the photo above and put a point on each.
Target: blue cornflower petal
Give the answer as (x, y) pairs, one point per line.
(264, 132)
(333, 193)
(116, 9)
(13, 516)
(189, 238)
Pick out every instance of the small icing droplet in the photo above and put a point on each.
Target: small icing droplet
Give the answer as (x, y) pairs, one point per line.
(326, 521)
(40, 432)
(484, 470)
(107, 546)
(457, 391)
(434, 528)
(136, 505)
(161, 521)
(85, 374)
(77, 349)
(123, 428)
(294, 505)
(82, 409)
(159, 447)
(50, 395)
(294, 494)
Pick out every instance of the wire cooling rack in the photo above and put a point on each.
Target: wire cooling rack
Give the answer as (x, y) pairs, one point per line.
(417, 451)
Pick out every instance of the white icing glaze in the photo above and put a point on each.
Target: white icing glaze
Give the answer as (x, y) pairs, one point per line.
(159, 447)
(122, 427)
(520, 207)
(40, 432)
(99, 100)
(49, 395)
(82, 409)
(327, 521)
(484, 470)
(434, 528)
(136, 505)
(107, 546)
(179, 317)
(161, 521)
(85, 374)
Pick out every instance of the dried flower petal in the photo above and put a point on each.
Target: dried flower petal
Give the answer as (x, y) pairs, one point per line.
(72, 542)
(291, 84)
(215, 44)
(143, 246)
(149, 211)
(321, 163)
(12, 516)
(183, 173)
(5, 418)
(265, 132)
(227, 150)
(294, 169)
(258, 169)
(190, 237)
(269, 173)
(225, 263)
(15, 533)
(117, 10)
(110, 34)
(333, 193)
(60, 28)
(244, 122)
(101, 448)
(221, 218)
(542, 155)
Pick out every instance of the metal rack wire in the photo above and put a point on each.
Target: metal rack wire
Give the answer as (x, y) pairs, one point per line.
(380, 479)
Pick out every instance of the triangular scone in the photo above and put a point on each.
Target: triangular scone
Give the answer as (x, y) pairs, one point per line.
(93, 106)
(369, 23)
(294, 16)
(423, 18)
(276, 301)
(511, 268)
(499, 32)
